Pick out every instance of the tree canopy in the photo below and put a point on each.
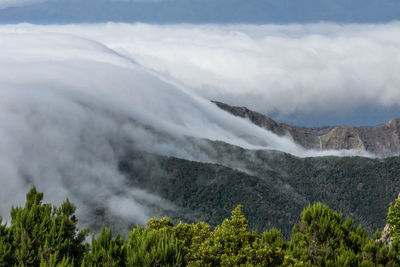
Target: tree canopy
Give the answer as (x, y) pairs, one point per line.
(44, 235)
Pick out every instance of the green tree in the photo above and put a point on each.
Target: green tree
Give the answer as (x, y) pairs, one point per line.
(232, 244)
(40, 232)
(5, 245)
(149, 247)
(106, 250)
(323, 238)
(191, 236)
(53, 261)
(393, 220)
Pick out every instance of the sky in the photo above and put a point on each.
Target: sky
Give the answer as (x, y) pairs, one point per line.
(199, 11)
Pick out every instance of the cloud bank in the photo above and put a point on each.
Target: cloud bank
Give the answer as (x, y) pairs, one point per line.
(281, 70)
(74, 98)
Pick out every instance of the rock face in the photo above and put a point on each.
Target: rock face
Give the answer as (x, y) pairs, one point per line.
(383, 140)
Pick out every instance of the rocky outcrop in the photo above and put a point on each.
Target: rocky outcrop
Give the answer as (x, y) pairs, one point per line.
(385, 238)
(382, 140)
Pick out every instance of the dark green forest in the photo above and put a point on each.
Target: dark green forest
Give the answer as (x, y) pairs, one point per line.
(44, 235)
(272, 186)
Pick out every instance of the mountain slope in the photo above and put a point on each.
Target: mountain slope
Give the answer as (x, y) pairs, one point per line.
(382, 140)
(272, 186)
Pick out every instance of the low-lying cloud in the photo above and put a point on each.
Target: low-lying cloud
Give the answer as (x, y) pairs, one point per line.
(74, 98)
(284, 70)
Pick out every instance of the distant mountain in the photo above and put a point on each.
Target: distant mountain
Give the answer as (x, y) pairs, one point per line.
(204, 11)
(383, 140)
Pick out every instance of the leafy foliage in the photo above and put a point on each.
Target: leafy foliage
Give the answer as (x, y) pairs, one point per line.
(393, 220)
(42, 235)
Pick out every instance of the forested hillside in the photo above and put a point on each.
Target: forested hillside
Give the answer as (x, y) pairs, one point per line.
(273, 187)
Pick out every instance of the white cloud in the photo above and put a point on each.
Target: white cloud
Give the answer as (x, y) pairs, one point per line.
(283, 69)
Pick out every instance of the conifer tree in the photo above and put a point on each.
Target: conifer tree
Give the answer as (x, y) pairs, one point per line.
(40, 232)
(106, 250)
(393, 220)
(233, 244)
(323, 237)
(149, 247)
(5, 245)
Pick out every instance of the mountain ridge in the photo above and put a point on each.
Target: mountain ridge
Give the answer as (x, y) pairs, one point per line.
(382, 140)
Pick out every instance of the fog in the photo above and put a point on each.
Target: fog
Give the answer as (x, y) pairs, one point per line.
(282, 70)
(75, 98)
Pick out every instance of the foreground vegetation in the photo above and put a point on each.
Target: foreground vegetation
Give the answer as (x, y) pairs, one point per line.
(42, 235)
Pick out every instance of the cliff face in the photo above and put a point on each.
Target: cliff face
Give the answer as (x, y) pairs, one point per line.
(382, 140)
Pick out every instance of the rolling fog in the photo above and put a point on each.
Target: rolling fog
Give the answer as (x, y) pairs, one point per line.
(75, 98)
